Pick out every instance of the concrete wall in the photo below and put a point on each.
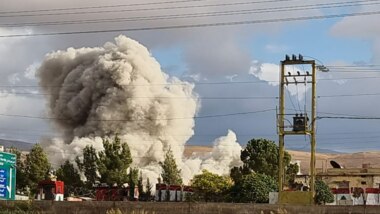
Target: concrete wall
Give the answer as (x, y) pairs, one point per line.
(66, 207)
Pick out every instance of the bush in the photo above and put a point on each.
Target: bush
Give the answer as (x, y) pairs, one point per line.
(254, 187)
(323, 193)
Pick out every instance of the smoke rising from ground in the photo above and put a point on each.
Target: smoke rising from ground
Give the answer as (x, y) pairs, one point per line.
(120, 89)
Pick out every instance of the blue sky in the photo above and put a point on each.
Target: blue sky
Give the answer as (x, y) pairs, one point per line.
(239, 53)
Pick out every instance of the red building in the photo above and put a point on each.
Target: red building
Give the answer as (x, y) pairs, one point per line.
(50, 190)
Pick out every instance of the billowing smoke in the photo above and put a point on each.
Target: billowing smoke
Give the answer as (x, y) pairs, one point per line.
(120, 89)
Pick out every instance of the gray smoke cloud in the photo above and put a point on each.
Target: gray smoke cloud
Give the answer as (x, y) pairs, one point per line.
(120, 89)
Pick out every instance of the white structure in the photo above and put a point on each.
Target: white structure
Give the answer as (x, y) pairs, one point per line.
(273, 197)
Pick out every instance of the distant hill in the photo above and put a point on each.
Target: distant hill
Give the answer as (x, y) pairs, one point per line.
(319, 150)
(20, 145)
(347, 160)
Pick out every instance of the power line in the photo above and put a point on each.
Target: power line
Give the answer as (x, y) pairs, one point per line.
(158, 97)
(186, 15)
(29, 132)
(153, 119)
(349, 118)
(356, 71)
(347, 78)
(153, 9)
(32, 132)
(201, 98)
(349, 95)
(217, 24)
(352, 66)
(166, 84)
(291, 101)
(101, 6)
(144, 85)
(349, 133)
(344, 116)
(336, 114)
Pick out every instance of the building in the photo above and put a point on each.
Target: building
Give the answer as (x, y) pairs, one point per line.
(364, 177)
(350, 186)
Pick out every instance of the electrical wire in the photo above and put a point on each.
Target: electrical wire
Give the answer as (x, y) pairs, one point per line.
(4, 94)
(102, 6)
(297, 96)
(348, 118)
(130, 120)
(158, 97)
(152, 9)
(350, 66)
(182, 16)
(291, 100)
(195, 83)
(199, 25)
(348, 95)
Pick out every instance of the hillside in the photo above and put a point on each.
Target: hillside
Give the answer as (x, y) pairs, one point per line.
(20, 145)
(347, 160)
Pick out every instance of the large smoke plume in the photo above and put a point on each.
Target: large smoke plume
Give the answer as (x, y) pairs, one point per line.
(120, 89)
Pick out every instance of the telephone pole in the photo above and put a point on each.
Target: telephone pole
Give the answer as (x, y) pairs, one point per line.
(297, 124)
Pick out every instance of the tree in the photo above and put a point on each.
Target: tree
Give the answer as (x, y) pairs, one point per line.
(148, 190)
(37, 166)
(323, 193)
(261, 156)
(170, 172)
(291, 173)
(211, 187)
(88, 165)
(140, 185)
(21, 177)
(133, 179)
(70, 176)
(114, 161)
(236, 174)
(253, 187)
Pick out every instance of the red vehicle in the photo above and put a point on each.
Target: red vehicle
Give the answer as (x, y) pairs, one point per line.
(105, 193)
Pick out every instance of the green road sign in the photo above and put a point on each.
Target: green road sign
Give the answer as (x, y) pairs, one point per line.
(7, 176)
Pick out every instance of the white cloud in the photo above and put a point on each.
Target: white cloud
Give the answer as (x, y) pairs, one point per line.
(271, 73)
(272, 48)
(267, 71)
(30, 72)
(14, 78)
(361, 27)
(231, 77)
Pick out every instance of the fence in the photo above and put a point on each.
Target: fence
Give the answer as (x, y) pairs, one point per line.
(65, 207)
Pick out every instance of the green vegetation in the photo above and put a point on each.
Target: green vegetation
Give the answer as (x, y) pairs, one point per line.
(114, 211)
(261, 156)
(170, 172)
(253, 181)
(253, 187)
(37, 167)
(148, 190)
(211, 187)
(32, 169)
(21, 177)
(88, 165)
(323, 193)
(70, 176)
(250, 183)
(113, 162)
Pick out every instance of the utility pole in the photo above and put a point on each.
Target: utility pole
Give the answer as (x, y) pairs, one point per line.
(297, 124)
